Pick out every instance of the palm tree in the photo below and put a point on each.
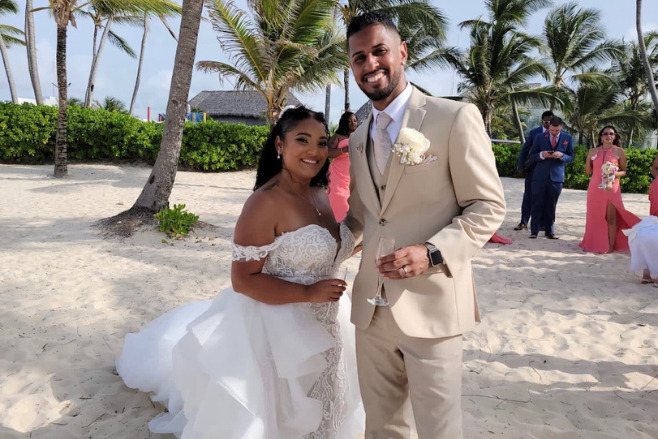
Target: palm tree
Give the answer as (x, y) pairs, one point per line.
(104, 15)
(644, 56)
(498, 65)
(629, 71)
(282, 46)
(8, 38)
(576, 41)
(110, 103)
(157, 190)
(32, 52)
(174, 10)
(595, 101)
(63, 11)
(422, 25)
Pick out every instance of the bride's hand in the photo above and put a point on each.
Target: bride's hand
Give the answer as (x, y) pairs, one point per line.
(328, 290)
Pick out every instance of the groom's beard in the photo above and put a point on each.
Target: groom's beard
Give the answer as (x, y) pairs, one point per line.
(385, 92)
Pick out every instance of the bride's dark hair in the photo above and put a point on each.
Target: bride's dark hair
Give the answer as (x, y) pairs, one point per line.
(269, 165)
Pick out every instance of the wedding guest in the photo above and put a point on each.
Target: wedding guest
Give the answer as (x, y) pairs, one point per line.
(339, 170)
(606, 216)
(526, 168)
(550, 152)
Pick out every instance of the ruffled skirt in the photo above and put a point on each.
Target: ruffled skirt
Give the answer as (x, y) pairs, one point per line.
(238, 368)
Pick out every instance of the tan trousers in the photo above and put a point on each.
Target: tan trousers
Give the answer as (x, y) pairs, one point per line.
(399, 375)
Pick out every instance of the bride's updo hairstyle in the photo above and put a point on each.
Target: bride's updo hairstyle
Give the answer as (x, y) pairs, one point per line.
(269, 165)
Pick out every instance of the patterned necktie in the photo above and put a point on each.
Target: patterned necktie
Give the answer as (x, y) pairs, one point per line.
(554, 142)
(383, 143)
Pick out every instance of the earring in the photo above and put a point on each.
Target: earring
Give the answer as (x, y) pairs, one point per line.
(278, 155)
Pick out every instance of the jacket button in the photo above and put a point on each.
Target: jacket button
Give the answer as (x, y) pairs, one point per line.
(382, 222)
(382, 187)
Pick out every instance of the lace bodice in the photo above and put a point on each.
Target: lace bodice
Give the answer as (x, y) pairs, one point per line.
(303, 256)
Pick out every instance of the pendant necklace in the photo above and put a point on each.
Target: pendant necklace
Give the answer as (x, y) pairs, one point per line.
(312, 202)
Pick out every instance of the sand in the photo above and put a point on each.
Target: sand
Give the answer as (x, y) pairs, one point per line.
(568, 345)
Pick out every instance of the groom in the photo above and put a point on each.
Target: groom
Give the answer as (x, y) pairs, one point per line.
(441, 209)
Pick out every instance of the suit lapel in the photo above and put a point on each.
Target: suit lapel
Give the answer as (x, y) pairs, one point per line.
(413, 118)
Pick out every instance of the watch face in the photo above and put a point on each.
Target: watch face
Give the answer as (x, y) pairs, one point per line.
(435, 257)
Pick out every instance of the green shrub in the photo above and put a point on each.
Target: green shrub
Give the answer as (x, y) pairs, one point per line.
(221, 146)
(176, 222)
(574, 173)
(27, 136)
(507, 158)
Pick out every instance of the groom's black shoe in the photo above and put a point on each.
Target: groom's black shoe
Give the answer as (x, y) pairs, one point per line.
(521, 226)
(533, 236)
(551, 236)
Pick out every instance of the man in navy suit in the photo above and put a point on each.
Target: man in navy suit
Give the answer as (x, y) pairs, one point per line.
(550, 153)
(526, 169)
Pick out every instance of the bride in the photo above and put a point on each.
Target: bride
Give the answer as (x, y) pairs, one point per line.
(267, 358)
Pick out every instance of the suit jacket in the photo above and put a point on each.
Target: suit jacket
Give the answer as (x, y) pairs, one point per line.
(456, 202)
(523, 155)
(551, 169)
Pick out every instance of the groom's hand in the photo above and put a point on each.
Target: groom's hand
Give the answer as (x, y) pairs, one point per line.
(404, 263)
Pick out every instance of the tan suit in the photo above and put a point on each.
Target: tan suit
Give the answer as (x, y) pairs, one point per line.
(456, 202)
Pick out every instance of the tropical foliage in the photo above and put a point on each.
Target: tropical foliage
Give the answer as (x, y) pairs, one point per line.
(9, 36)
(277, 46)
(500, 61)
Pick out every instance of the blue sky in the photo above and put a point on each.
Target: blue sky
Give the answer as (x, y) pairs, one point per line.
(116, 75)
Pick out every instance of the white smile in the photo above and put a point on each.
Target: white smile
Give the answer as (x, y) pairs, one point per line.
(310, 162)
(375, 78)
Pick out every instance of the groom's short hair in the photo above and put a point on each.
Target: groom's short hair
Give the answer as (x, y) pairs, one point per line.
(371, 18)
(556, 121)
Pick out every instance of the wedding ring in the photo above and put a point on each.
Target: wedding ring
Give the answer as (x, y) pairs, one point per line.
(404, 268)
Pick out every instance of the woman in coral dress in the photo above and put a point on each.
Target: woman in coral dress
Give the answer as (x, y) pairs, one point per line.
(339, 170)
(606, 216)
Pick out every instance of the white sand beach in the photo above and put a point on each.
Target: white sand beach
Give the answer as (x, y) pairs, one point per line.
(568, 345)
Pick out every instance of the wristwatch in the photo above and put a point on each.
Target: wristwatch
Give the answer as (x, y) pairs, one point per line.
(433, 254)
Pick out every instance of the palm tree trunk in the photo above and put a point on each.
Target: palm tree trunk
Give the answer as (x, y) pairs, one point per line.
(517, 121)
(32, 52)
(89, 94)
(61, 146)
(327, 102)
(630, 137)
(643, 55)
(346, 83)
(157, 190)
(139, 65)
(10, 77)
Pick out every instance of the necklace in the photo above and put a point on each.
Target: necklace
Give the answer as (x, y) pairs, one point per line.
(312, 202)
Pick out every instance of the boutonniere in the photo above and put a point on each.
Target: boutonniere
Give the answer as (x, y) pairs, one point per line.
(411, 146)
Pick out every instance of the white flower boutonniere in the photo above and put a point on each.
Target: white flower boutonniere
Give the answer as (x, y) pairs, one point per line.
(411, 146)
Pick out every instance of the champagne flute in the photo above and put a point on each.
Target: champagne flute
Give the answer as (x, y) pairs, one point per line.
(385, 246)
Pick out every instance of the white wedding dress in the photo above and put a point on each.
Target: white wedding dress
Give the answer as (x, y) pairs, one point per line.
(237, 368)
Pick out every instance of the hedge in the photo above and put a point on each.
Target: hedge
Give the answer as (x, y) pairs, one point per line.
(27, 136)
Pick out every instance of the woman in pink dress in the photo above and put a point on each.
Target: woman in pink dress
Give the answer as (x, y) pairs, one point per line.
(606, 216)
(339, 170)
